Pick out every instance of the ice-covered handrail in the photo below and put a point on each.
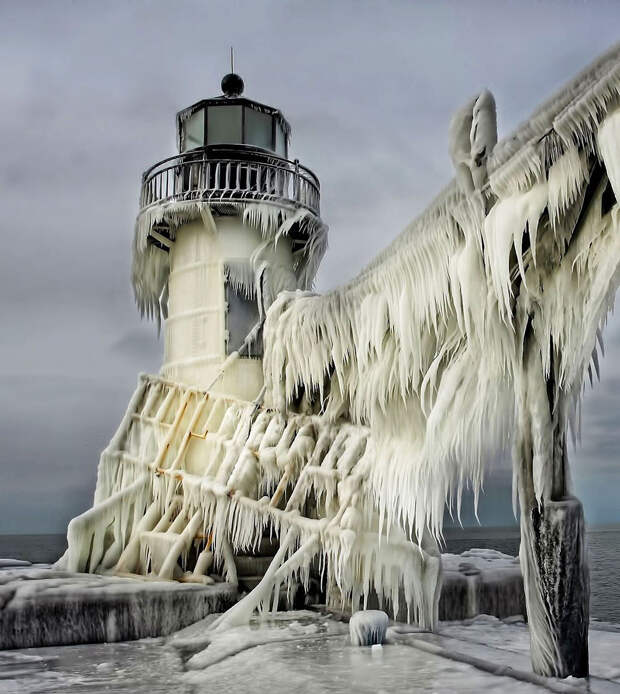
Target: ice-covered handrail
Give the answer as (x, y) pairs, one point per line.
(568, 118)
(225, 174)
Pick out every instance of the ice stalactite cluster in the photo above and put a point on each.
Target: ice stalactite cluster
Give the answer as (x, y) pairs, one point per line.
(444, 345)
(190, 473)
(151, 267)
(262, 277)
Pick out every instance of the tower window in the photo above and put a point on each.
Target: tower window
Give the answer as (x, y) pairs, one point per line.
(280, 141)
(241, 318)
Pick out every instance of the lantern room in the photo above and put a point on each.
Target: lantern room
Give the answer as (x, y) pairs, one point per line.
(231, 119)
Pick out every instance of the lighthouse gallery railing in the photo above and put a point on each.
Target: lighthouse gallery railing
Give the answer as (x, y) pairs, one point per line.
(230, 174)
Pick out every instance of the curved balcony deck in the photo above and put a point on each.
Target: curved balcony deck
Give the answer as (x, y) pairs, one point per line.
(229, 173)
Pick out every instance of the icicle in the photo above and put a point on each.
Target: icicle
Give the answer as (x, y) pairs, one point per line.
(609, 147)
(150, 267)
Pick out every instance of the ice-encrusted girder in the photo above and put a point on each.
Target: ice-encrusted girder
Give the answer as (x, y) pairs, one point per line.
(190, 472)
(425, 344)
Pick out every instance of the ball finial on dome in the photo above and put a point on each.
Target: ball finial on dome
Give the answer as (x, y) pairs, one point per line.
(232, 85)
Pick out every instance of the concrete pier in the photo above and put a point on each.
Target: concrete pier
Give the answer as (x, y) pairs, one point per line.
(40, 606)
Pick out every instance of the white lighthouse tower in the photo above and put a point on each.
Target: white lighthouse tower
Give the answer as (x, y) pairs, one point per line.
(203, 480)
(223, 227)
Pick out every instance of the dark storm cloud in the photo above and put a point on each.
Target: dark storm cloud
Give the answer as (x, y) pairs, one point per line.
(89, 93)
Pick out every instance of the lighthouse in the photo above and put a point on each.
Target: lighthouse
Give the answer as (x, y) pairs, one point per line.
(223, 227)
(205, 480)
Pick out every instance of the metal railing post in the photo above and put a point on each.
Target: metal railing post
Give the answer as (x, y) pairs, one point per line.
(296, 182)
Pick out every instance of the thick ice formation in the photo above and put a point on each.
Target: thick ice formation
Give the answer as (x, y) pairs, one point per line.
(190, 473)
(368, 627)
(426, 346)
(475, 329)
(473, 134)
(41, 606)
(480, 581)
(472, 332)
(151, 267)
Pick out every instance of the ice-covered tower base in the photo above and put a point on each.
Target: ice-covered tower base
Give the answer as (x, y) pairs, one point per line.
(212, 307)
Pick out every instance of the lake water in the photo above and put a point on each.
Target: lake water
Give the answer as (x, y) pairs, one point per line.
(603, 546)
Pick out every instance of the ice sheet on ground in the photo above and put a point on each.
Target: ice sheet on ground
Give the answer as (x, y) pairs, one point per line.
(214, 647)
(331, 664)
(297, 651)
(514, 638)
(133, 667)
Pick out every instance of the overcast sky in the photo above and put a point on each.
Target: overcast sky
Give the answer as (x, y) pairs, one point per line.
(89, 95)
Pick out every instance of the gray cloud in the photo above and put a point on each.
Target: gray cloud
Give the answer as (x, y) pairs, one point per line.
(89, 93)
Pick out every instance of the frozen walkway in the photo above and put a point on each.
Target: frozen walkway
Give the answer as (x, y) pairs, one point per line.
(41, 606)
(302, 652)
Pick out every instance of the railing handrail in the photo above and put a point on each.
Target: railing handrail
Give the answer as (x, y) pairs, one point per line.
(212, 153)
(275, 167)
(276, 178)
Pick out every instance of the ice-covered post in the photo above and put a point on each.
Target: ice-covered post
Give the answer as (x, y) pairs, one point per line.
(553, 552)
(553, 560)
(552, 523)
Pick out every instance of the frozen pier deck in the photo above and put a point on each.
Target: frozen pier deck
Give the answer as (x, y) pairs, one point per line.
(307, 652)
(40, 606)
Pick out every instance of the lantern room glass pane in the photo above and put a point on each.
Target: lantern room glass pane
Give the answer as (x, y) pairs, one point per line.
(258, 129)
(280, 141)
(194, 129)
(224, 125)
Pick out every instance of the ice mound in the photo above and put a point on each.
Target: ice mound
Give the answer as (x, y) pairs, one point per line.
(368, 627)
(7, 563)
(481, 581)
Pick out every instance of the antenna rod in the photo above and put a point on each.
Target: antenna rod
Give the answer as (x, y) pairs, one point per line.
(232, 60)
